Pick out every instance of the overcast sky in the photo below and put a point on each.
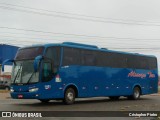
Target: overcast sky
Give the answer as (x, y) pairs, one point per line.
(132, 26)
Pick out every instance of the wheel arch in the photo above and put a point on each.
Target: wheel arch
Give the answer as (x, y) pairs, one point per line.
(71, 85)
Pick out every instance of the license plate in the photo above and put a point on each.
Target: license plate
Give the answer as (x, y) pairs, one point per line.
(20, 96)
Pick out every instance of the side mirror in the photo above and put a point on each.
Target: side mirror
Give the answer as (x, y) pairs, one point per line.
(36, 62)
(6, 61)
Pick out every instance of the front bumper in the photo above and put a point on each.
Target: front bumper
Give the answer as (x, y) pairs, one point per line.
(25, 95)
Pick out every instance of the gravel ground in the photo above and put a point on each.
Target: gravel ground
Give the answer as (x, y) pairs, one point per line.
(4, 95)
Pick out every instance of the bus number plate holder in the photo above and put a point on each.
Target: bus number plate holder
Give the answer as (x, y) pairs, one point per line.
(20, 96)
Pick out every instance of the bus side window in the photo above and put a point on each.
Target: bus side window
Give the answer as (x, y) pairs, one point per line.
(47, 71)
(88, 58)
(54, 54)
(71, 56)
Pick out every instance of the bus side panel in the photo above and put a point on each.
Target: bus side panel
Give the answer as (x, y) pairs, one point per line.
(105, 81)
(92, 82)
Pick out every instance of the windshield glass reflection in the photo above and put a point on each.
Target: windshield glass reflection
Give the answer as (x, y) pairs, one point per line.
(23, 72)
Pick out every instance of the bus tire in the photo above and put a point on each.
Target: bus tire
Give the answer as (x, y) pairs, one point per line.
(114, 97)
(69, 96)
(136, 93)
(44, 100)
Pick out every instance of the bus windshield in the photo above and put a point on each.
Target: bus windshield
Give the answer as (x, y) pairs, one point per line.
(29, 53)
(23, 72)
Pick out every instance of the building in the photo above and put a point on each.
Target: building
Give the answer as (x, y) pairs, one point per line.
(7, 52)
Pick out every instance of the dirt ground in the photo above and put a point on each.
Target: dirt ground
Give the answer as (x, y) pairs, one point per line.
(4, 95)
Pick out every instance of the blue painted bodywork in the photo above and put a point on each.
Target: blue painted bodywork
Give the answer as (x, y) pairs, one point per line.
(36, 62)
(7, 52)
(90, 81)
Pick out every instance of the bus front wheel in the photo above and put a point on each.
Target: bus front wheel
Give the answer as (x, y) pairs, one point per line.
(69, 96)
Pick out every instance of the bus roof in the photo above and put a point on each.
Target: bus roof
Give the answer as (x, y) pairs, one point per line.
(84, 46)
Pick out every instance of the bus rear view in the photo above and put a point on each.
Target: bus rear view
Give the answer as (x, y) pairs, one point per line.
(71, 70)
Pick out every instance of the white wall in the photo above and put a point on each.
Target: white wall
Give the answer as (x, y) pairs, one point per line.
(7, 69)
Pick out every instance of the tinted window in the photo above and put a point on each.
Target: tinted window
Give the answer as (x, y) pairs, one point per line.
(71, 56)
(88, 58)
(119, 60)
(29, 53)
(152, 63)
(74, 56)
(53, 53)
(111, 59)
(47, 72)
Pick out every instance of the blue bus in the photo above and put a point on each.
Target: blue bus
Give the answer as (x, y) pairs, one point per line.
(72, 70)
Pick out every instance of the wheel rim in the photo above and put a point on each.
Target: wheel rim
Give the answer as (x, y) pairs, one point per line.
(70, 96)
(136, 93)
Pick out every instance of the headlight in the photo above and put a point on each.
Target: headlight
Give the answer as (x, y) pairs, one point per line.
(33, 89)
(11, 90)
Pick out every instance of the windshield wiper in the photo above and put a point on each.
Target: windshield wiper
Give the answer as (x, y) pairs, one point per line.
(18, 72)
(30, 77)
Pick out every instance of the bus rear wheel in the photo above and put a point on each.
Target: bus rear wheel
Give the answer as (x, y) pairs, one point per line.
(136, 94)
(69, 96)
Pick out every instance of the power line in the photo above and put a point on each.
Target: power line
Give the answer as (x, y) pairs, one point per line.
(75, 14)
(131, 49)
(15, 40)
(68, 17)
(15, 33)
(39, 31)
(68, 34)
(53, 36)
(99, 43)
(96, 41)
(77, 18)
